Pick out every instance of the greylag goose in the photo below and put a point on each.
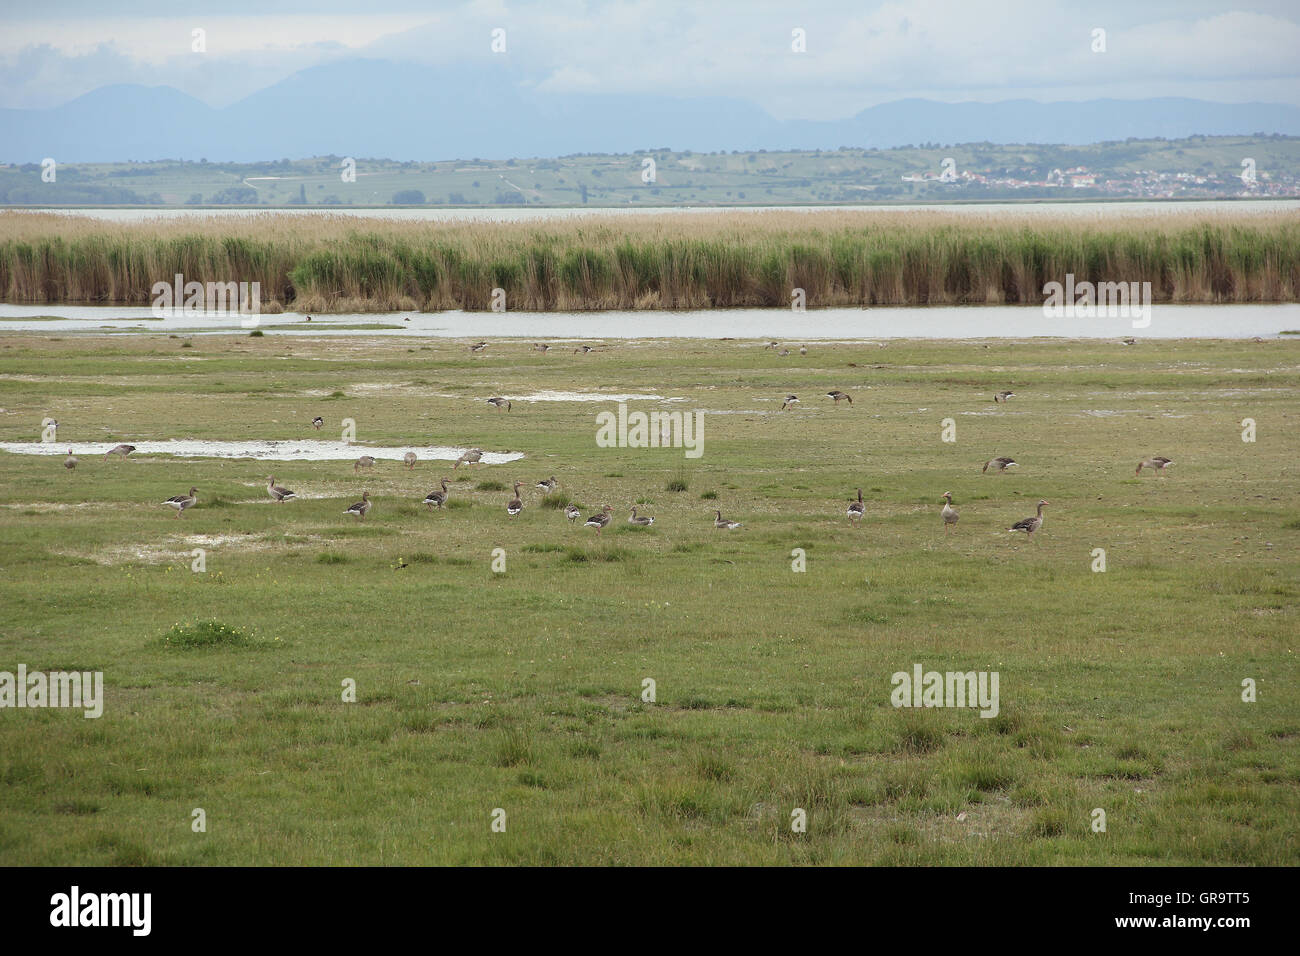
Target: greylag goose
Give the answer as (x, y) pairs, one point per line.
(478, 347)
(122, 450)
(1030, 525)
(548, 485)
(836, 395)
(783, 353)
(572, 513)
(276, 492)
(436, 499)
(365, 461)
(361, 507)
(70, 462)
(803, 350)
(181, 502)
(640, 522)
(317, 422)
(515, 504)
(499, 403)
(949, 513)
(1157, 463)
(409, 459)
(1130, 341)
(789, 400)
(584, 349)
(541, 346)
(856, 509)
(471, 457)
(599, 519)
(1001, 397)
(999, 465)
(722, 522)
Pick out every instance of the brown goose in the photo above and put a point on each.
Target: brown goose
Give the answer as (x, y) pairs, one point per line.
(949, 513)
(1157, 463)
(365, 461)
(1001, 397)
(999, 465)
(70, 462)
(499, 403)
(361, 507)
(471, 457)
(122, 450)
(548, 485)
(789, 400)
(573, 513)
(722, 522)
(181, 502)
(515, 504)
(409, 459)
(599, 519)
(836, 395)
(642, 522)
(1030, 525)
(317, 422)
(276, 492)
(436, 499)
(856, 509)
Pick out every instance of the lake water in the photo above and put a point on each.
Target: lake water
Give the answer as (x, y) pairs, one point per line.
(530, 214)
(287, 450)
(940, 322)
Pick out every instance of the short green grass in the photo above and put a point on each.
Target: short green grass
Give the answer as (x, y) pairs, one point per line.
(522, 690)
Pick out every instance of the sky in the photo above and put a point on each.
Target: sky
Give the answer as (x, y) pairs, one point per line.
(858, 53)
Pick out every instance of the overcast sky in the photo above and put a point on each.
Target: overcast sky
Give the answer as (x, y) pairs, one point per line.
(859, 53)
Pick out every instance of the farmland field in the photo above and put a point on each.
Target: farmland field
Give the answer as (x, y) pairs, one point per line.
(521, 689)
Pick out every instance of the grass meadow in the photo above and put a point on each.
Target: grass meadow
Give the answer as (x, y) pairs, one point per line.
(521, 690)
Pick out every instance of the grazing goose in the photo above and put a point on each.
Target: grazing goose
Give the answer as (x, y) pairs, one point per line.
(478, 347)
(317, 422)
(1130, 341)
(541, 346)
(640, 522)
(999, 465)
(789, 400)
(722, 522)
(515, 504)
(584, 349)
(1003, 396)
(122, 450)
(365, 461)
(361, 507)
(409, 459)
(783, 353)
(771, 345)
(1157, 463)
(598, 520)
(803, 350)
(181, 502)
(436, 499)
(276, 492)
(548, 485)
(949, 513)
(856, 509)
(1030, 525)
(499, 402)
(70, 462)
(471, 457)
(572, 512)
(836, 395)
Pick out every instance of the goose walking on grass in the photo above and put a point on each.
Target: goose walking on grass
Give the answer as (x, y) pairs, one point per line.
(1002, 397)
(1032, 524)
(181, 502)
(999, 465)
(1157, 463)
(365, 461)
(856, 509)
(598, 520)
(436, 499)
(70, 462)
(642, 522)
(471, 457)
(317, 422)
(548, 485)
(721, 522)
(499, 403)
(790, 400)
(572, 512)
(835, 395)
(361, 507)
(276, 492)
(409, 460)
(122, 450)
(949, 513)
(515, 504)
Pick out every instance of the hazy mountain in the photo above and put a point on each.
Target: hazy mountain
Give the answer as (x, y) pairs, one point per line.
(370, 108)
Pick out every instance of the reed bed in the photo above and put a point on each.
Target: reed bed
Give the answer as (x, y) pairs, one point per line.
(839, 258)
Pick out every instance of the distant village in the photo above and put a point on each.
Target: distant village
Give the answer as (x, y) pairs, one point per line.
(1146, 183)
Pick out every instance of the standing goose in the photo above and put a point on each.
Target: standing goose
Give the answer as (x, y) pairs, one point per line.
(572, 512)
(499, 402)
(835, 394)
(856, 509)
(803, 350)
(361, 507)
(436, 499)
(70, 462)
(599, 519)
(541, 346)
(515, 504)
(181, 502)
(789, 400)
(999, 465)
(548, 485)
(1001, 397)
(122, 450)
(276, 492)
(949, 513)
(471, 457)
(640, 522)
(365, 461)
(409, 459)
(1030, 525)
(722, 522)
(317, 422)
(1157, 463)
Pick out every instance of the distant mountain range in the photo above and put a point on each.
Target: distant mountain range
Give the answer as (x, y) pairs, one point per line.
(373, 108)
